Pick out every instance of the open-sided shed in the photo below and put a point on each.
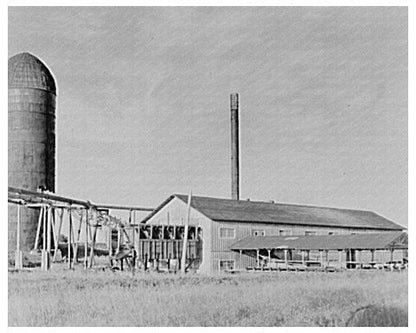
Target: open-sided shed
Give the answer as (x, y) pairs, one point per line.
(347, 250)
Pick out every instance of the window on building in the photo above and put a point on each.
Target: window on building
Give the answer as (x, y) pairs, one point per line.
(257, 232)
(226, 265)
(227, 233)
(310, 233)
(285, 233)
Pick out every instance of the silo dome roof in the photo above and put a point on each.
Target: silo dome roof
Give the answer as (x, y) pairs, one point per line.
(27, 71)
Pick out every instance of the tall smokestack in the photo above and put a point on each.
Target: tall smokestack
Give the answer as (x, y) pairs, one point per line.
(235, 147)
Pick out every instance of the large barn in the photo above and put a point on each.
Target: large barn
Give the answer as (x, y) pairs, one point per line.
(227, 226)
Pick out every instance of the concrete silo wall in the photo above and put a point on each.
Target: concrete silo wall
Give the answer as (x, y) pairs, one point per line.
(31, 154)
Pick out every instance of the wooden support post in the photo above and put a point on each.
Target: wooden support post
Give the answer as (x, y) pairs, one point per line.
(78, 239)
(185, 236)
(69, 238)
(109, 240)
(133, 254)
(35, 247)
(118, 238)
(49, 235)
(90, 234)
(391, 254)
(157, 262)
(269, 257)
(241, 259)
(86, 240)
(56, 238)
(169, 258)
(45, 254)
(18, 263)
(372, 256)
(321, 257)
(340, 258)
(44, 229)
(286, 259)
(257, 258)
(359, 259)
(93, 238)
(303, 257)
(327, 256)
(110, 245)
(125, 234)
(53, 227)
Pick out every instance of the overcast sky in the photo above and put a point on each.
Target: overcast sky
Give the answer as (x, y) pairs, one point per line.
(143, 102)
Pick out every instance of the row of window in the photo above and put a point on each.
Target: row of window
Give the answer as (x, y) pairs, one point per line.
(229, 233)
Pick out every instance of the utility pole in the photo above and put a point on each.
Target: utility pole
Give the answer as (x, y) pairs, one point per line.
(185, 236)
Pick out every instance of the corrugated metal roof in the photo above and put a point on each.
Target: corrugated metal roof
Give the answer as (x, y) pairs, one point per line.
(27, 71)
(254, 211)
(368, 241)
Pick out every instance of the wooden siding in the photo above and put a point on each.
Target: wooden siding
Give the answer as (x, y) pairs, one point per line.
(246, 229)
(216, 249)
(174, 213)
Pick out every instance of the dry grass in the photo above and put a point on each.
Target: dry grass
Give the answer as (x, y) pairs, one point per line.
(90, 298)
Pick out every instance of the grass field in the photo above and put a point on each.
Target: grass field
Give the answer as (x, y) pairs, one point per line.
(78, 298)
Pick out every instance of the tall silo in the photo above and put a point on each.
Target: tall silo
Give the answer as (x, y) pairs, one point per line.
(32, 98)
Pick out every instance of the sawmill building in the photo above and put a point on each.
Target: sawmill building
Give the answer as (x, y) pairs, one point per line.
(226, 222)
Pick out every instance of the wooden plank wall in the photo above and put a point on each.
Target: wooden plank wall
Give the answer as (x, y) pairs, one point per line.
(221, 247)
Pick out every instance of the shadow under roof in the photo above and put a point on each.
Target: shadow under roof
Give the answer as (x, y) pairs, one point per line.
(367, 241)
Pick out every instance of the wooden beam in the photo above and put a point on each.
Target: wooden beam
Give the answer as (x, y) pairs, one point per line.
(131, 208)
